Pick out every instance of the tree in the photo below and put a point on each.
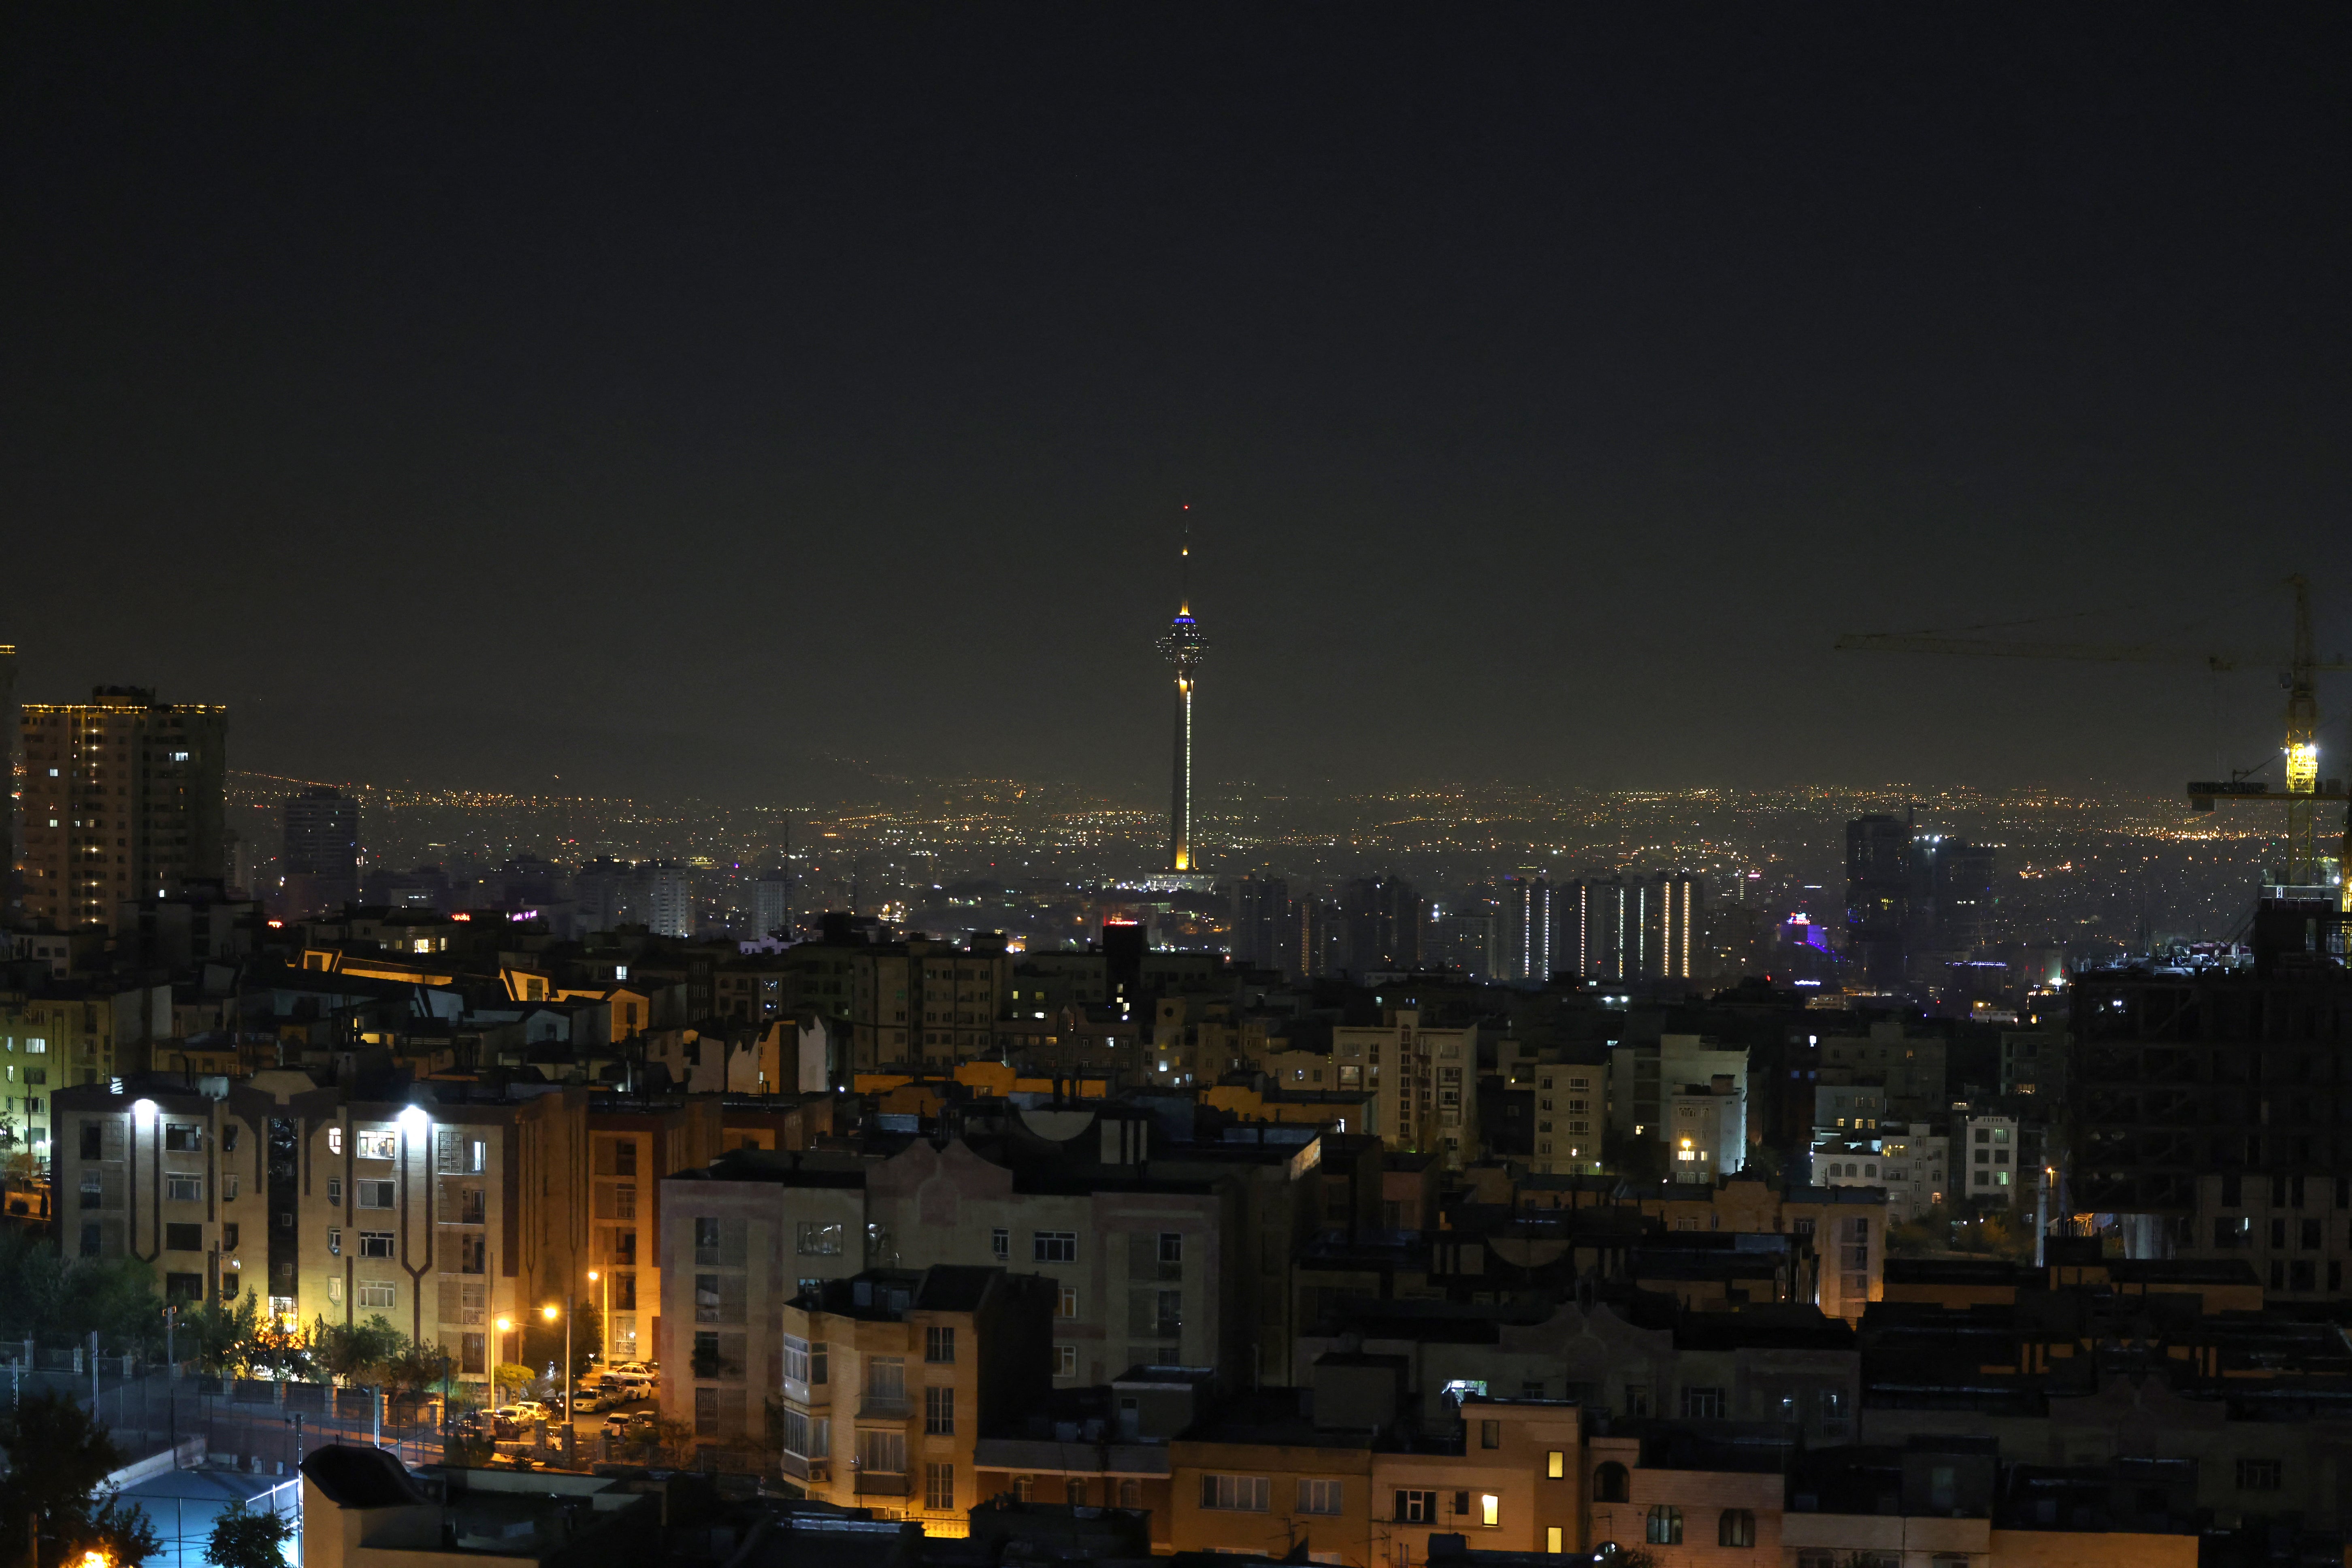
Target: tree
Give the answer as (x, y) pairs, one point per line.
(542, 1340)
(243, 1539)
(222, 1338)
(512, 1375)
(58, 1458)
(662, 1437)
(418, 1369)
(356, 1354)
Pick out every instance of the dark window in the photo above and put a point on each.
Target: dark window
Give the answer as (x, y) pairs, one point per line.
(183, 1286)
(1490, 1434)
(473, 1352)
(1610, 1483)
(1703, 1403)
(938, 1346)
(184, 1238)
(2310, 1236)
(2234, 1192)
(91, 1137)
(229, 1236)
(89, 1234)
(1736, 1528)
(183, 1138)
(2302, 1275)
(2260, 1475)
(1416, 1508)
(1665, 1525)
(229, 1139)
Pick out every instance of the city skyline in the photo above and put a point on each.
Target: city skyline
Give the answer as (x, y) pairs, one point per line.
(1550, 392)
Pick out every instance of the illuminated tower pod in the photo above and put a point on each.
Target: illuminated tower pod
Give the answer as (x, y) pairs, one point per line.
(1184, 643)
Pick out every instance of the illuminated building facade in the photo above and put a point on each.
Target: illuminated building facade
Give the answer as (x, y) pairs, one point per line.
(1677, 947)
(122, 802)
(1527, 915)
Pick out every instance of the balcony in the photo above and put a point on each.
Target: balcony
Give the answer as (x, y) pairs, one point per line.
(875, 1483)
(801, 1468)
(808, 1395)
(884, 1407)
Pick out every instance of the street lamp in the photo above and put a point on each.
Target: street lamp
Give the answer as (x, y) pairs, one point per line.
(570, 1418)
(603, 1315)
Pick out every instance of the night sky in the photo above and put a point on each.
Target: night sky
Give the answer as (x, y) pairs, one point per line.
(676, 399)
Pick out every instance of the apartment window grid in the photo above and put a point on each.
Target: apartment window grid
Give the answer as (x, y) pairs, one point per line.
(938, 1412)
(1236, 1494)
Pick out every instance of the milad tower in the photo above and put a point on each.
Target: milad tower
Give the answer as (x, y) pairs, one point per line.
(1184, 644)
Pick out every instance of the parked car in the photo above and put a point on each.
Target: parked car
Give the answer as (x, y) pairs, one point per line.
(627, 1386)
(530, 1410)
(587, 1400)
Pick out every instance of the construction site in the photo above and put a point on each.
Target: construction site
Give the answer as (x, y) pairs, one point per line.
(2208, 1114)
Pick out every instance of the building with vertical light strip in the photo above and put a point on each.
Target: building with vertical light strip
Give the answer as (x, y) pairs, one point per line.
(1678, 946)
(1527, 916)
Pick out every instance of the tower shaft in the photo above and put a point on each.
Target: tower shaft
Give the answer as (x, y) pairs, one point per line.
(1179, 807)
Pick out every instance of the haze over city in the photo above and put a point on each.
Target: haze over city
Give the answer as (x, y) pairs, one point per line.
(897, 787)
(1549, 390)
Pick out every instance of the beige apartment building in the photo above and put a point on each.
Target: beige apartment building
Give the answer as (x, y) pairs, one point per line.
(922, 1001)
(1424, 1082)
(323, 1206)
(889, 1377)
(122, 802)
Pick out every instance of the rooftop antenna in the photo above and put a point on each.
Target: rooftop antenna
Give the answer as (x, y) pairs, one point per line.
(1184, 565)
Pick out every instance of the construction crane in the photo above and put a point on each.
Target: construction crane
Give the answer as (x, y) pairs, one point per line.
(2305, 790)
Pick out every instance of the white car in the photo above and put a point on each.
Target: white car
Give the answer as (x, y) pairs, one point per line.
(532, 1410)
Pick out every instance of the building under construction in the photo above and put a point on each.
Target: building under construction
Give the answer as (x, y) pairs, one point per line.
(2212, 1107)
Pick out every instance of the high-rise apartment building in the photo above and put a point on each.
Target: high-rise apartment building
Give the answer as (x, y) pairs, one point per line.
(771, 904)
(1468, 938)
(1527, 951)
(1959, 879)
(1677, 947)
(322, 851)
(667, 900)
(1878, 895)
(1605, 927)
(1261, 909)
(123, 802)
(1383, 923)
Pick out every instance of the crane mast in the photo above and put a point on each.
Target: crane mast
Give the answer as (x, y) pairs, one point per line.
(2304, 791)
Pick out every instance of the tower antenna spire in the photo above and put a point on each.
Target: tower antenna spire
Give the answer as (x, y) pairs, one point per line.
(1184, 565)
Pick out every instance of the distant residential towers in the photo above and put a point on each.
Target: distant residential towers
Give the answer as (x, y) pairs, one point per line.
(123, 802)
(322, 851)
